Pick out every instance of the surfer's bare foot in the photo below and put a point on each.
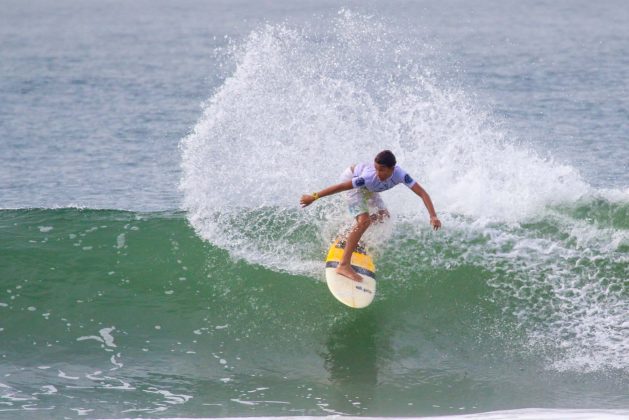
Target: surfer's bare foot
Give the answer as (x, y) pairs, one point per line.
(348, 271)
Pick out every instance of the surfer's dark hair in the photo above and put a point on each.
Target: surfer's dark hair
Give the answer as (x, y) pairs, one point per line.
(386, 158)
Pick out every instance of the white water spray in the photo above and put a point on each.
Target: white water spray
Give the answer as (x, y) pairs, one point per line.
(302, 105)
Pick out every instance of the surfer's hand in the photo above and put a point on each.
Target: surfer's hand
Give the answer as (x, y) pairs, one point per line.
(435, 222)
(306, 200)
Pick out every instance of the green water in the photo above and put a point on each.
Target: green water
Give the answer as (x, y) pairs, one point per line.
(111, 313)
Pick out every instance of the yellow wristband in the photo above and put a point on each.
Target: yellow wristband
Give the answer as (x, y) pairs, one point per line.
(315, 195)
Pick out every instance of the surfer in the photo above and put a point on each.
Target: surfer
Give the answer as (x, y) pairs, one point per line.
(364, 182)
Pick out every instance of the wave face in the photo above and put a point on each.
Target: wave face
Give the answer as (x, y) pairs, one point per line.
(136, 308)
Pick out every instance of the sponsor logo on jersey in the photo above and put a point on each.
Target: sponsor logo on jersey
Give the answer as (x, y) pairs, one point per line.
(360, 182)
(407, 179)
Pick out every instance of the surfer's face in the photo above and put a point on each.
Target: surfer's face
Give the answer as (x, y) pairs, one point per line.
(383, 171)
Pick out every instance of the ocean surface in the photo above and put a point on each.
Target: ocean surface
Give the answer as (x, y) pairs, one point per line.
(155, 263)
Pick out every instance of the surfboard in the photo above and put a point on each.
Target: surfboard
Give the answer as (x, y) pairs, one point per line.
(352, 293)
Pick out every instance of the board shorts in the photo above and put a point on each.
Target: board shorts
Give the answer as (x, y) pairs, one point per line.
(360, 200)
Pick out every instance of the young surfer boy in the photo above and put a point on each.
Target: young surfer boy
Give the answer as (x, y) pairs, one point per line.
(364, 182)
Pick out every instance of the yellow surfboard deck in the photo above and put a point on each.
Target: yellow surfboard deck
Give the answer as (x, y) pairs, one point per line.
(352, 293)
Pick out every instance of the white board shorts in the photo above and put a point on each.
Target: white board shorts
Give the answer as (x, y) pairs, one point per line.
(360, 200)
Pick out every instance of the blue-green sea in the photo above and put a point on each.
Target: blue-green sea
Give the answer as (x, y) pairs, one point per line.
(155, 262)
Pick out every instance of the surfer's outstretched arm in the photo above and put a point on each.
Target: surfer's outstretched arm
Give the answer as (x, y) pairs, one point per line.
(337, 188)
(434, 220)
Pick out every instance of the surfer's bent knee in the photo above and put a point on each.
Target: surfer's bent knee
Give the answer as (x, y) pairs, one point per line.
(363, 221)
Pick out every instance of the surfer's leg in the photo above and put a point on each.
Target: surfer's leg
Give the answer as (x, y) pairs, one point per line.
(344, 268)
(359, 209)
